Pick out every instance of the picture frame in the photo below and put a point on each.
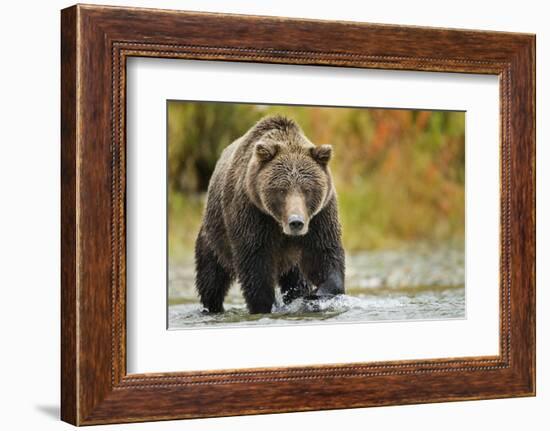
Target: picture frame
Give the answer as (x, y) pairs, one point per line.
(96, 42)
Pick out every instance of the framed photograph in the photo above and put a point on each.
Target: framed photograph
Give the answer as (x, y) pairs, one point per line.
(263, 214)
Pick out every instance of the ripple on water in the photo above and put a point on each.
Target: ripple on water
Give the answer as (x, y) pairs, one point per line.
(409, 284)
(428, 305)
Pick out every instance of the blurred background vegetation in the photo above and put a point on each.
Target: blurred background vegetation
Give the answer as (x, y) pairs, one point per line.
(399, 174)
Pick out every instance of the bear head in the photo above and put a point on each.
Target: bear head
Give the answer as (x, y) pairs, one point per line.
(288, 177)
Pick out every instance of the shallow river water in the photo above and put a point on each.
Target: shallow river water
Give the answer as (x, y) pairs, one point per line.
(420, 283)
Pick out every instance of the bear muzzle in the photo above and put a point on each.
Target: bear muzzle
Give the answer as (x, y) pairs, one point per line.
(295, 220)
(296, 224)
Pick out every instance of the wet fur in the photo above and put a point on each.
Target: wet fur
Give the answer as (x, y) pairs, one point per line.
(241, 235)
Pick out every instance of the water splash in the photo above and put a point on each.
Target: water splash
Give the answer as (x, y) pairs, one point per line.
(410, 284)
(444, 304)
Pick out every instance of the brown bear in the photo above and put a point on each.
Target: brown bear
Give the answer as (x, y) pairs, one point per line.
(271, 218)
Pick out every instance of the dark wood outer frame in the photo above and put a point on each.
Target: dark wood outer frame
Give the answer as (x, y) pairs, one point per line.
(95, 43)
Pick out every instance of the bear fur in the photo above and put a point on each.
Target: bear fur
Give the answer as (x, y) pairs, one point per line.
(271, 219)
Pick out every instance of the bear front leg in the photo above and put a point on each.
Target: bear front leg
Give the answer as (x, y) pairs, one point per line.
(258, 291)
(331, 286)
(255, 274)
(324, 257)
(212, 280)
(325, 269)
(293, 285)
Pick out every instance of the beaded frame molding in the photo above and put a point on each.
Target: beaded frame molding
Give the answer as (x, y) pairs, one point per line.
(95, 43)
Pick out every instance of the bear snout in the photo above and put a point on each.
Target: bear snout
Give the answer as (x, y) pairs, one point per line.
(295, 220)
(296, 224)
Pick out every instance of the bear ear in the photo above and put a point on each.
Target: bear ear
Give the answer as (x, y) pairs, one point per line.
(266, 151)
(322, 154)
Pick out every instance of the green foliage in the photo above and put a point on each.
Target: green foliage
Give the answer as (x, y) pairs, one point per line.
(197, 134)
(399, 174)
(184, 221)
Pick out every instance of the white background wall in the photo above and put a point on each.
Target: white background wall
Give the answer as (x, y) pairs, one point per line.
(29, 214)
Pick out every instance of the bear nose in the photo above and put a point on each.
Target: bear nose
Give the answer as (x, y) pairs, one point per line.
(296, 222)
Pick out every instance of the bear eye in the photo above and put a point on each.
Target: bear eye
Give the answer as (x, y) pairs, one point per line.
(280, 192)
